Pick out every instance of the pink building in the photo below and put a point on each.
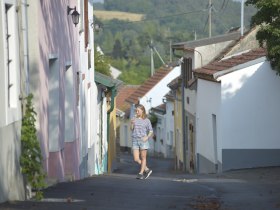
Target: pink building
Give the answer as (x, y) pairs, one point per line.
(54, 66)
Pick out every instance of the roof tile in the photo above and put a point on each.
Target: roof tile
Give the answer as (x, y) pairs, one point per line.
(149, 84)
(224, 64)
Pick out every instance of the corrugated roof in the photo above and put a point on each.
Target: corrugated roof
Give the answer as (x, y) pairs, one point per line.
(149, 84)
(106, 80)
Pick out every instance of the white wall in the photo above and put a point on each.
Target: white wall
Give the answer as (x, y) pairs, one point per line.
(208, 103)
(159, 90)
(169, 123)
(250, 108)
(191, 107)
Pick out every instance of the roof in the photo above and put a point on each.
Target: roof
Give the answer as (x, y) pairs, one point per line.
(161, 109)
(106, 80)
(175, 83)
(124, 92)
(170, 96)
(208, 71)
(206, 41)
(149, 84)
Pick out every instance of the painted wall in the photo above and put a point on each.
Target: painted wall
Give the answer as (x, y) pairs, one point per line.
(179, 158)
(159, 144)
(208, 105)
(54, 63)
(243, 111)
(154, 97)
(169, 118)
(190, 107)
(250, 117)
(11, 179)
(125, 133)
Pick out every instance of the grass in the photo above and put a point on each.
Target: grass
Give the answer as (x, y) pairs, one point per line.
(109, 15)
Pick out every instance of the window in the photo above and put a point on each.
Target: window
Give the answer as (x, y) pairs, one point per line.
(11, 55)
(10, 64)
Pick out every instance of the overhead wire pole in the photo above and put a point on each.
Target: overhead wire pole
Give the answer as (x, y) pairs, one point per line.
(210, 18)
(153, 49)
(242, 18)
(152, 59)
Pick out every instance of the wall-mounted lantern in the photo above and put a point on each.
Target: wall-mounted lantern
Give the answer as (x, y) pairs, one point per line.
(75, 15)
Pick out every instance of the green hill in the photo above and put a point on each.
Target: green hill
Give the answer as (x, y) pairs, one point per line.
(127, 41)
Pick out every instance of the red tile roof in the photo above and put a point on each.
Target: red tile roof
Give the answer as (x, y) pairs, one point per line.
(124, 92)
(148, 84)
(209, 70)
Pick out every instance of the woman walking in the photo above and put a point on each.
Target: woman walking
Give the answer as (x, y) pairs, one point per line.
(141, 132)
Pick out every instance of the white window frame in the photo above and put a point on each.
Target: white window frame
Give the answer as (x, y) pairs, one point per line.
(10, 77)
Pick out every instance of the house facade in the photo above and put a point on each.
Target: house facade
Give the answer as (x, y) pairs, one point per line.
(151, 94)
(199, 53)
(106, 123)
(46, 54)
(238, 127)
(54, 63)
(163, 144)
(123, 117)
(13, 87)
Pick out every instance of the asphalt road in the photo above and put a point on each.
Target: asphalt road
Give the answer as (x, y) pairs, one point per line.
(165, 189)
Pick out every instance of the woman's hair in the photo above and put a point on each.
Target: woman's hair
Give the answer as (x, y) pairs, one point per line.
(140, 106)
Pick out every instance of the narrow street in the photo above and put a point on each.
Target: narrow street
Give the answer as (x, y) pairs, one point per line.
(256, 189)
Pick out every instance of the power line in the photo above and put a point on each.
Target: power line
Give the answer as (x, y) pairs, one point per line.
(155, 18)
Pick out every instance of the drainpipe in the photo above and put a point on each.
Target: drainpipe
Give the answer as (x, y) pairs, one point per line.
(113, 95)
(25, 44)
(183, 114)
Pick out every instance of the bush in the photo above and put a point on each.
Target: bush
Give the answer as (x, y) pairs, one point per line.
(31, 157)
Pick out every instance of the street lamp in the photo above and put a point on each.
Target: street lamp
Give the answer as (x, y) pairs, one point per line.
(75, 15)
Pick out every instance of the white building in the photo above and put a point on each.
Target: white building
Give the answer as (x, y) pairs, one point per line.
(13, 72)
(237, 114)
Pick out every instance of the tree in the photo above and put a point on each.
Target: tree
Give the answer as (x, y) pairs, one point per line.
(101, 63)
(268, 17)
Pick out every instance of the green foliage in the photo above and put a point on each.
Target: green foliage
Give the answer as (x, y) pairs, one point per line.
(101, 63)
(153, 118)
(268, 17)
(31, 157)
(171, 21)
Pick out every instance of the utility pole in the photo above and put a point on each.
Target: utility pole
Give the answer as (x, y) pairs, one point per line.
(152, 59)
(210, 18)
(242, 18)
(153, 49)
(170, 50)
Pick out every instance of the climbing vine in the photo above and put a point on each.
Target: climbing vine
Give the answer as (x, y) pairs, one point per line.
(31, 157)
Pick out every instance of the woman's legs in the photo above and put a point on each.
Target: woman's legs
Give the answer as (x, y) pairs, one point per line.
(136, 157)
(143, 154)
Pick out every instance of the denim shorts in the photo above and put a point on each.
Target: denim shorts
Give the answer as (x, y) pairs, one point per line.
(138, 143)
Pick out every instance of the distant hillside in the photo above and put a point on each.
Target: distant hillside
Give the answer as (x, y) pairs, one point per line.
(127, 34)
(110, 15)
